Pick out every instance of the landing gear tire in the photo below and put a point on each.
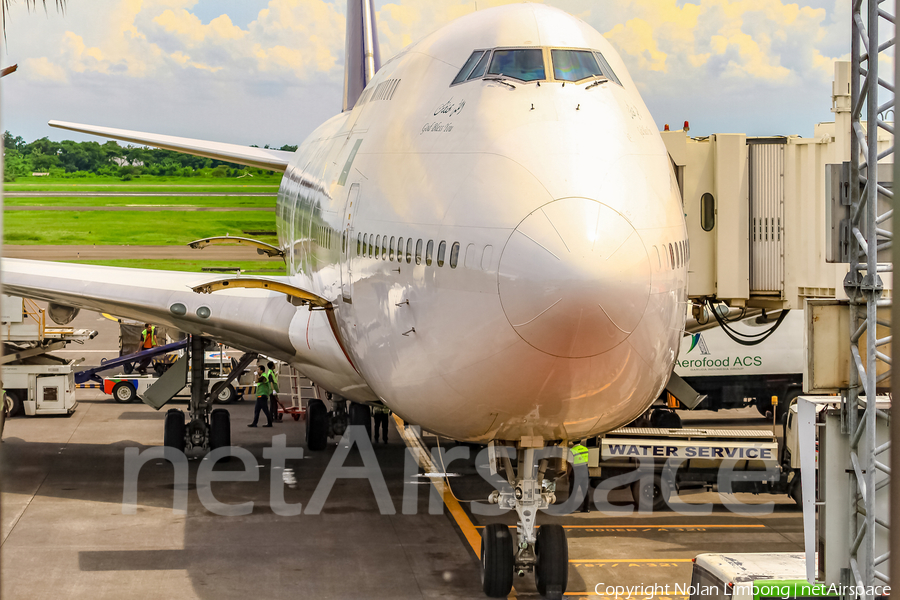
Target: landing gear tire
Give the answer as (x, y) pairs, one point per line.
(551, 571)
(173, 434)
(665, 419)
(360, 414)
(316, 426)
(227, 395)
(656, 494)
(219, 429)
(497, 560)
(796, 493)
(13, 403)
(124, 392)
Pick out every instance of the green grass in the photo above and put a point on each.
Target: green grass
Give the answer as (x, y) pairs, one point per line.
(198, 201)
(246, 266)
(156, 228)
(257, 183)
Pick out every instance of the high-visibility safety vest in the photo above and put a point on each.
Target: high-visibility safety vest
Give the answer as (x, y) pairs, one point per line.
(148, 340)
(273, 380)
(579, 455)
(381, 409)
(263, 384)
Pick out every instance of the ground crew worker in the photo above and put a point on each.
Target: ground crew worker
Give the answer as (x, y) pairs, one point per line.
(262, 397)
(381, 413)
(148, 341)
(273, 391)
(579, 478)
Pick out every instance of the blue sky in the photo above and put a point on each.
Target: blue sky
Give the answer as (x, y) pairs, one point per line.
(269, 71)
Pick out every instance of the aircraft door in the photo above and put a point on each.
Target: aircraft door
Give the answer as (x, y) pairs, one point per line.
(348, 241)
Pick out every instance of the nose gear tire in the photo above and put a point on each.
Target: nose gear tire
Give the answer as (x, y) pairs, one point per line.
(551, 571)
(497, 560)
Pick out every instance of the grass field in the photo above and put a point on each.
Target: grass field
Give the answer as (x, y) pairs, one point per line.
(198, 201)
(268, 267)
(258, 183)
(136, 228)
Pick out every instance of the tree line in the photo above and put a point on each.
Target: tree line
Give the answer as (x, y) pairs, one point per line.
(82, 159)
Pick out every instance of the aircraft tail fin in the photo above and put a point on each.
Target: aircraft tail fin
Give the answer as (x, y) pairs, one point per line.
(362, 59)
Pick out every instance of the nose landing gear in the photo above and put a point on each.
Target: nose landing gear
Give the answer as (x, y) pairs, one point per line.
(543, 552)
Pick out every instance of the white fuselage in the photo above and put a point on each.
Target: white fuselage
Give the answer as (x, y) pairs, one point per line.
(565, 309)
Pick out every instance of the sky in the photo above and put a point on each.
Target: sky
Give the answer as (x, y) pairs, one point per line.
(269, 71)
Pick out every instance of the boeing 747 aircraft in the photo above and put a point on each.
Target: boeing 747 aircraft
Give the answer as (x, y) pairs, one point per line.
(488, 239)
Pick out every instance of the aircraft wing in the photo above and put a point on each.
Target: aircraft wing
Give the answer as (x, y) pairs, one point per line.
(262, 158)
(256, 319)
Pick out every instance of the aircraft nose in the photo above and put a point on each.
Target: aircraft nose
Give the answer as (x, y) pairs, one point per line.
(574, 278)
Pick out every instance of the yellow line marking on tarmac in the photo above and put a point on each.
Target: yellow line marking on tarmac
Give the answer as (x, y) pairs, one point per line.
(110, 317)
(648, 526)
(631, 560)
(423, 457)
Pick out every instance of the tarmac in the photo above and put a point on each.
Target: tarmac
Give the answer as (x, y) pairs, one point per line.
(67, 531)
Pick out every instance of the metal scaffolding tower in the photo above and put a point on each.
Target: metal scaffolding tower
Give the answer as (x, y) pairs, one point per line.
(870, 210)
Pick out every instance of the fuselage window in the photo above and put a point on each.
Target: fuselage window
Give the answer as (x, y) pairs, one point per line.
(468, 67)
(384, 248)
(400, 249)
(658, 261)
(408, 250)
(478, 71)
(344, 242)
(672, 255)
(429, 252)
(442, 250)
(419, 252)
(454, 255)
(377, 245)
(486, 257)
(605, 69)
(391, 255)
(574, 65)
(524, 64)
(358, 244)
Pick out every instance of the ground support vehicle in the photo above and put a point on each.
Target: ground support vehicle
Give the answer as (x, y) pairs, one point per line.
(36, 382)
(128, 388)
(733, 375)
(754, 577)
(658, 463)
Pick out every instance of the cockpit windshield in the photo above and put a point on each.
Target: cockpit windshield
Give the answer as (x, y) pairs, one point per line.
(574, 65)
(525, 64)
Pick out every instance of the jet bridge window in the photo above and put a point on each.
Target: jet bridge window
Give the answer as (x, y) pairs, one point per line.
(469, 66)
(574, 65)
(523, 64)
(707, 212)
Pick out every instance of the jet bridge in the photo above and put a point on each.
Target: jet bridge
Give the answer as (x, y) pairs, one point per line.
(757, 210)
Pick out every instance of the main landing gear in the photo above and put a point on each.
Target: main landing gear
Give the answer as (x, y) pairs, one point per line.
(322, 423)
(207, 428)
(544, 551)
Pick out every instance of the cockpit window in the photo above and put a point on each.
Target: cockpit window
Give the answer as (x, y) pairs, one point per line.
(478, 71)
(468, 67)
(524, 64)
(605, 69)
(574, 65)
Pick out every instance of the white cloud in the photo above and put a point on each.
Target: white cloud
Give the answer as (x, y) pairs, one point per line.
(41, 69)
